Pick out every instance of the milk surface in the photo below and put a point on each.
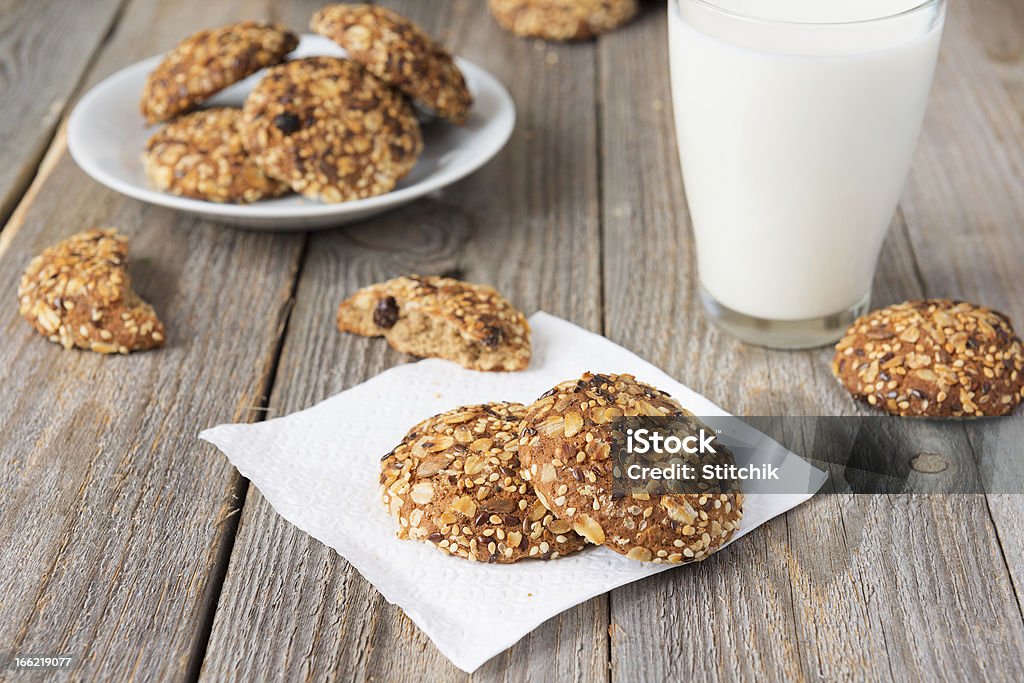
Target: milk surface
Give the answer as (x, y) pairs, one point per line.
(795, 143)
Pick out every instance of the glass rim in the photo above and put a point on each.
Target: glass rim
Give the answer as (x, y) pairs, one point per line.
(712, 6)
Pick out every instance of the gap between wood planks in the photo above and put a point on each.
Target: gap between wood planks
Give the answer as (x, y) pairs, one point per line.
(216, 599)
(230, 522)
(12, 212)
(999, 542)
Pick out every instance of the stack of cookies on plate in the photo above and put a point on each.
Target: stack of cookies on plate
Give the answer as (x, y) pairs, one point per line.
(329, 128)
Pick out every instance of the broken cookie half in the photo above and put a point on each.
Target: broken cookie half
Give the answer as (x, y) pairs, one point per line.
(438, 317)
(77, 293)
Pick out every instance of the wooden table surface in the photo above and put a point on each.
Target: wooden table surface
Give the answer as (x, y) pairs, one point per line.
(138, 549)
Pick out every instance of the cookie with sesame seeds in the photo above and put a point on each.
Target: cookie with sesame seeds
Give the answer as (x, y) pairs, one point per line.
(77, 293)
(933, 358)
(562, 19)
(396, 50)
(200, 155)
(454, 482)
(330, 129)
(427, 316)
(208, 61)
(565, 448)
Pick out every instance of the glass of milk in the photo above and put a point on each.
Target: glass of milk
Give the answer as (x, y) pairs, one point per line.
(796, 122)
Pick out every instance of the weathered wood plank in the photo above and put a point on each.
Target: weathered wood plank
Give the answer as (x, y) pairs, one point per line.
(845, 586)
(997, 27)
(965, 208)
(526, 223)
(116, 519)
(695, 619)
(45, 51)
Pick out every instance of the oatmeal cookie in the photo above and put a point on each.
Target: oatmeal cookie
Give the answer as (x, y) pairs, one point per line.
(330, 130)
(209, 61)
(454, 481)
(469, 324)
(400, 53)
(201, 156)
(934, 358)
(562, 19)
(77, 293)
(565, 449)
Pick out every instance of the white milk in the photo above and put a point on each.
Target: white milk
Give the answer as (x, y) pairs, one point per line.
(795, 143)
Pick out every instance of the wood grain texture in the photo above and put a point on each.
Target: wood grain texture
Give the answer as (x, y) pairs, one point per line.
(694, 621)
(115, 517)
(997, 30)
(526, 223)
(965, 207)
(120, 524)
(844, 586)
(45, 51)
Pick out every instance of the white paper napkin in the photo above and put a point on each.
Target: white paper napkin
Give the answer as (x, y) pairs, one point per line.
(319, 469)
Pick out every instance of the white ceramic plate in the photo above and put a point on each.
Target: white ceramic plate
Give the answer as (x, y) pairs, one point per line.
(106, 136)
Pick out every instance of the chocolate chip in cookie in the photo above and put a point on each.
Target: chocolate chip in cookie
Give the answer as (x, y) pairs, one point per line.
(400, 53)
(565, 447)
(77, 293)
(209, 61)
(330, 129)
(440, 317)
(933, 358)
(454, 482)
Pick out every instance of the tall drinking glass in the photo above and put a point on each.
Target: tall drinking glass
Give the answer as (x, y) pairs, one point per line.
(796, 122)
